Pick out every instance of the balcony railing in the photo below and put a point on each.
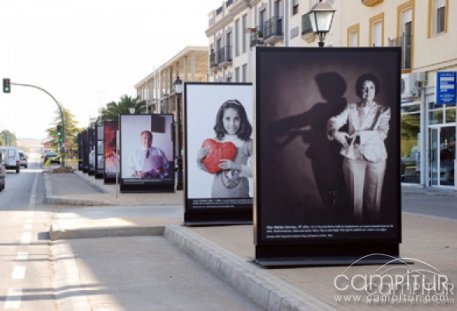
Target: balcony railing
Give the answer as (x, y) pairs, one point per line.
(273, 30)
(405, 42)
(224, 55)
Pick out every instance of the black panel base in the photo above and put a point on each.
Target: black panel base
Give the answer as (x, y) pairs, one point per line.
(109, 181)
(217, 223)
(144, 188)
(218, 219)
(274, 256)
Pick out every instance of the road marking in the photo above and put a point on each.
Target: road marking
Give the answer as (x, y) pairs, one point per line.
(13, 299)
(18, 272)
(22, 256)
(26, 238)
(14, 296)
(32, 200)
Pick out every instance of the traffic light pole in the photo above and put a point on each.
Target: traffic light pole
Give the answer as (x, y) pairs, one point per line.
(62, 116)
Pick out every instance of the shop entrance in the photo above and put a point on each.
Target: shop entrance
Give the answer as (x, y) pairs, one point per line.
(442, 155)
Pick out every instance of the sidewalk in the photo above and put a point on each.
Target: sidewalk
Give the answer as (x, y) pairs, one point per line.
(228, 251)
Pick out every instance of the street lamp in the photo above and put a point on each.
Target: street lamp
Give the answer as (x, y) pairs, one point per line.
(178, 92)
(321, 17)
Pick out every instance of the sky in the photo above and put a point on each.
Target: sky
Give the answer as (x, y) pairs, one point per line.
(87, 53)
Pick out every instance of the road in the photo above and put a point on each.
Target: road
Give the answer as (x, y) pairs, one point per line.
(130, 273)
(123, 273)
(25, 256)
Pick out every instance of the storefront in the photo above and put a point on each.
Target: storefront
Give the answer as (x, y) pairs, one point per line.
(427, 129)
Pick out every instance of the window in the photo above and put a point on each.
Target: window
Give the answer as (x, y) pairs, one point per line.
(262, 15)
(437, 17)
(377, 30)
(353, 35)
(294, 7)
(405, 30)
(278, 13)
(219, 51)
(237, 74)
(244, 73)
(243, 33)
(228, 47)
(237, 37)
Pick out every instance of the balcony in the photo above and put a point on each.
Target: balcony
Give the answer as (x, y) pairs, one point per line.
(405, 42)
(256, 37)
(273, 30)
(224, 56)
(371, 3)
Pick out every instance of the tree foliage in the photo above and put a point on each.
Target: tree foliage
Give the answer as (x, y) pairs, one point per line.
(71, 130)
(7, 138)
(114, 109)
(410, 126)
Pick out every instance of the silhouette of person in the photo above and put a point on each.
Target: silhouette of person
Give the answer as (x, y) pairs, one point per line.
(310, 127)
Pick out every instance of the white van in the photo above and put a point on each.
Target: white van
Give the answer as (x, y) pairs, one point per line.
(10, 158)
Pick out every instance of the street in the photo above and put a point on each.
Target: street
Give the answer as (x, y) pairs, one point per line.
(144, 273)
(119, 258)
(26, 267)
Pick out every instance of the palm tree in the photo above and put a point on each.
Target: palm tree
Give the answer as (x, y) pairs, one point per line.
(113, 109)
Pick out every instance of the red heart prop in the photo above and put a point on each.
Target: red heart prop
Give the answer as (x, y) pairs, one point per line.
(217, 152)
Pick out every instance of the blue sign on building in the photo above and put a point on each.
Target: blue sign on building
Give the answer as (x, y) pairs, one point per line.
(446, 87)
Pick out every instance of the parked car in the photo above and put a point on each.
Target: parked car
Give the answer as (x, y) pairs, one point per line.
(51, 156)
(10, 157)
(2, 174)
(23, 159)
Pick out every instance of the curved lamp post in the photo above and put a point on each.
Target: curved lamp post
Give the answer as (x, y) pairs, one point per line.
(62, 117)
(178, 91)
(321, 17)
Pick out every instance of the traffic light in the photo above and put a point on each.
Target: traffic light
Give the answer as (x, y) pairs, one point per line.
(59, 133)
(6, 85)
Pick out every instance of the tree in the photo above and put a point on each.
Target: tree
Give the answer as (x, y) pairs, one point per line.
(113, 109)
(71, 130)
(7, 138)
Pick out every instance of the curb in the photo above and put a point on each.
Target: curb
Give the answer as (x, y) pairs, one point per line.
(63, 201)
(56, 233)
(269, 292)
(49, 198)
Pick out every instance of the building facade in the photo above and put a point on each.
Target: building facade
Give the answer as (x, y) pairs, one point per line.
(424, 29)
(157, 88)
(238, 26)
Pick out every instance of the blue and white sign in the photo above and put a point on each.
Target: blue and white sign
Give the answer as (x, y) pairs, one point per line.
(445, 87)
